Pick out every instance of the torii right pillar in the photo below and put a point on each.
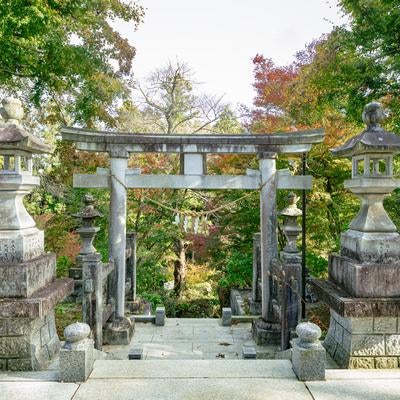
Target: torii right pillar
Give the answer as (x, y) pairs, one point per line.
(363, 288)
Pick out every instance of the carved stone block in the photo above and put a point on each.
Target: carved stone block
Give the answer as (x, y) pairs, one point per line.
(365, 280)
(23, 279)
(17, 246)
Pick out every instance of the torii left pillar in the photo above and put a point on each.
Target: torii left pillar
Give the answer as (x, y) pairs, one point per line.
(120, 330)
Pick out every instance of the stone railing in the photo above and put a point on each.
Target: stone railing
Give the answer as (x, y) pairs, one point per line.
(284, 283)
(98, 300)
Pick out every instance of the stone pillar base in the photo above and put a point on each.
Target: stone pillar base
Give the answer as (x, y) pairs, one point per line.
(265, 332)
(370, 342)
(28, 338)
(28, 344)
(363, 332)
(118, 332)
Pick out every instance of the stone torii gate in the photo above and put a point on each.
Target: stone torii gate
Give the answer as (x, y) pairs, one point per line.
(192, 148)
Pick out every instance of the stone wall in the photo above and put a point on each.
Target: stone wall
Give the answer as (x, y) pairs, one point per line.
(27, 344)
(370, 342)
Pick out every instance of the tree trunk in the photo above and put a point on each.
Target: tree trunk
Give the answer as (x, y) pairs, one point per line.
(179, 266)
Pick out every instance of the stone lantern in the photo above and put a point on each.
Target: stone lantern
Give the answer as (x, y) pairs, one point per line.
(291, 227)
(29, 289)
(372, 239)
(88, 231)
(363, 288)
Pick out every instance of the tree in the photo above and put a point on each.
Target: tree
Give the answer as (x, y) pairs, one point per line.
(272, 84)
(65, 52)
(356, 63)
(172, 103)
(169, 101)
(287, 100)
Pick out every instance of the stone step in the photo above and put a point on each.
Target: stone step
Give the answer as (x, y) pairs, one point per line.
(192, 379)
(157, 369)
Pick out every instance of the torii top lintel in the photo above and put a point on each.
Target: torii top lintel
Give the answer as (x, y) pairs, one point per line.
(121, 144)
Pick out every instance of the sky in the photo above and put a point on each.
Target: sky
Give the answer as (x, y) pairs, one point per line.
(219, 38)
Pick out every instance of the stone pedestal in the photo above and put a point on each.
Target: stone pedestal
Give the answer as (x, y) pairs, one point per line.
(28, 338)
(24, 278)
(365, 279)
(266, 332)
(363, 332)
(308, 355)
(27, 344)
(77, 355)
(118, 332)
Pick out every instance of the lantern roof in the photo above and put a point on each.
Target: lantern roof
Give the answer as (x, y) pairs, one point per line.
(12, 135)
(374, 139)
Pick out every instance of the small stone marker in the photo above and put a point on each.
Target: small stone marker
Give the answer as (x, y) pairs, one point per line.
(118, 332)
(136, 352)
(308, 355)
(160, 316)
(226, 316)
(249, 352)
(76, 357)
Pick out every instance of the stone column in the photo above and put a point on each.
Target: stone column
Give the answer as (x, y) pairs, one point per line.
(268, 217)
(265, 330)
(117, 238)
(120, 330)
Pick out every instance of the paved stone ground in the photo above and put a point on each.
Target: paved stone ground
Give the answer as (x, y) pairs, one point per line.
(168, 374)
(201, 379)
(190, 338)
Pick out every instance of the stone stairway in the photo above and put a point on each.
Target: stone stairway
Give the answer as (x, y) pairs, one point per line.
(192, 379)
(217, 379)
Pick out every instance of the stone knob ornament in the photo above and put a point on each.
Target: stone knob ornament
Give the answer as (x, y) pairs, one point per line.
(308, 334)
(373, 114)
(12, 111)
(76, 332)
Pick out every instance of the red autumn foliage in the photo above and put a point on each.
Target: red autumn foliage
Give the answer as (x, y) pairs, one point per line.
(272, 85)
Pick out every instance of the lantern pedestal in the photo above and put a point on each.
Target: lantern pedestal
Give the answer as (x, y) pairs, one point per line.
(362, 331)
(365, 279)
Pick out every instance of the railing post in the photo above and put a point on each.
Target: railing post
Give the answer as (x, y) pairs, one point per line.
(131, 262)
(93, 287)
(291, 271)
(92, 282)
